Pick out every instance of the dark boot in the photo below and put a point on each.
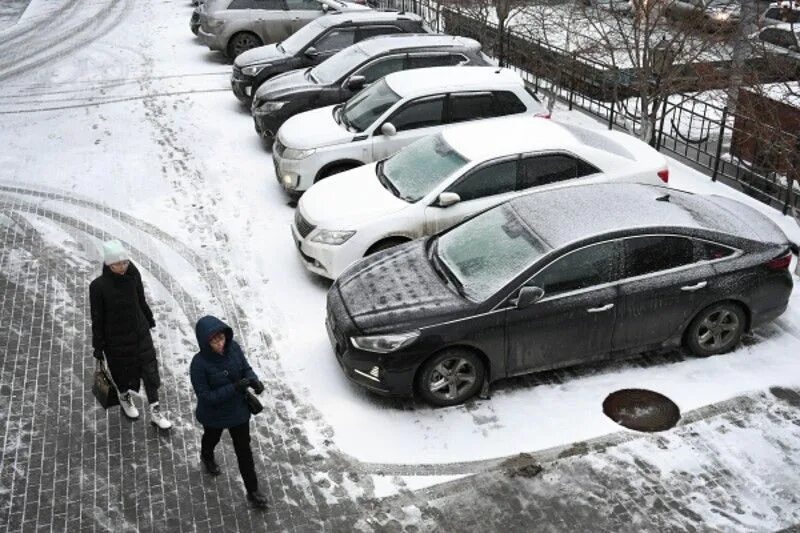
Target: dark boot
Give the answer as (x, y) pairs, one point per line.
(258, 499)
(211, 466)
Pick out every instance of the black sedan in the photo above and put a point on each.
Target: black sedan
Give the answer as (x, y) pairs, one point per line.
(314, 43)
(345, 73)
(554, 279)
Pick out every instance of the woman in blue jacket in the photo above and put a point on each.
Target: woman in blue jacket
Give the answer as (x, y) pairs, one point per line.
(220, 376)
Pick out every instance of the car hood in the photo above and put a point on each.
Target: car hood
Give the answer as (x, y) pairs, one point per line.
(396, 290)
(287, 83)
(313, 129)
(258, 55)
(345, 201)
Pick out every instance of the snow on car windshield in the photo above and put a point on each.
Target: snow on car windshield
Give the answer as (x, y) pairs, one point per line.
(299, 39)
(365, 108)
(339, 64)
(417, 169)
(488, 251)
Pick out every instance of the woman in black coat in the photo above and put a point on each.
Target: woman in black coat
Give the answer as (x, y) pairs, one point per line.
(220, 377)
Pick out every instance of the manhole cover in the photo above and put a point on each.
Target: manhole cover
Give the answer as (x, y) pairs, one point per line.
(642, 410)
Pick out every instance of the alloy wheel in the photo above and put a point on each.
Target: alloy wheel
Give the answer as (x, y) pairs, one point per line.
(452, 378)
(718, 330)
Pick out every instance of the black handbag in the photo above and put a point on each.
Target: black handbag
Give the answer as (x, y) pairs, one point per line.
(103, 387)
(253, 403)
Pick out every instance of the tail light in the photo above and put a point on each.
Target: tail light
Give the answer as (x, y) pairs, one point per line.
(780, 263)
(664, 175)
(542, 115)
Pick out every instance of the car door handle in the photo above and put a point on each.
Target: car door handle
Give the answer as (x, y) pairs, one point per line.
(600, 309)
(696, 287)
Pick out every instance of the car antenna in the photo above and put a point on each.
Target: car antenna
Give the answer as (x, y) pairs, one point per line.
(664, 198)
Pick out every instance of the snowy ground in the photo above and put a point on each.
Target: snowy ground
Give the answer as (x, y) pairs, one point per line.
(131, 112)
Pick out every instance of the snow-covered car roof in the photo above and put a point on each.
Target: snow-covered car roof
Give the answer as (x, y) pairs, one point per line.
(399, 41)
(333, 19)
(427, 80)
(571, 214)
(484, 140)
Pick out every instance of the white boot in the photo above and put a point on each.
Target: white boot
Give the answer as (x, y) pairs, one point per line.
(126, 402)
(158, 419)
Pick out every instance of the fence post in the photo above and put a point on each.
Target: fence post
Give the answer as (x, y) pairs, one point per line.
(719, 143)
(789, 187)
(613, 100)
(571, 81)
(661, 124)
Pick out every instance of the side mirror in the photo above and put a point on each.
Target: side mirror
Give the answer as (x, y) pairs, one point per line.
(325, 8)
(446, 199)
(356, 83)
(388, 129)
(311, 52)
(527, 296)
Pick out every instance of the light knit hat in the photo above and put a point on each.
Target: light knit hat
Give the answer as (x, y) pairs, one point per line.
(113, 252)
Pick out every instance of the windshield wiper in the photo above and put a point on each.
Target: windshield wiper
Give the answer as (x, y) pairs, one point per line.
(384, 179)
(310, 76)
(442, 270)
(280, 48)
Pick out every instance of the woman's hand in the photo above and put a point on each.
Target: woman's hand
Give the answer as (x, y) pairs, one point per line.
(241, 385)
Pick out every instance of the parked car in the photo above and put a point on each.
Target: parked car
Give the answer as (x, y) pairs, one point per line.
(444, 179)
(712, 15)
(391, 114)
(555, 279)
(780, 40)
(780, 12)
(313, 44)
(334, 81)
(234, 26)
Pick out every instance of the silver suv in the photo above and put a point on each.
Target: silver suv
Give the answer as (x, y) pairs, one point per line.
(234, 26)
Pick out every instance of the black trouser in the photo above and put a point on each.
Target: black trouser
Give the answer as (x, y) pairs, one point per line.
(241, 445)
(128, 372)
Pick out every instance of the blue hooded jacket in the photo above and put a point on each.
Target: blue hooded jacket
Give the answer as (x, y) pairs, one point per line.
(219, 405)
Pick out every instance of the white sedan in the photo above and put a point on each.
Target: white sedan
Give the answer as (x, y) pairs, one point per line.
(443, 179)
(391, 114)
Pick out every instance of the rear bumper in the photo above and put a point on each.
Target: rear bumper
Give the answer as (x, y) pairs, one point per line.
(211, 40)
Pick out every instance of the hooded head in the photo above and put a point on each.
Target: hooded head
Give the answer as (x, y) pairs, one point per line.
(114, 252)
(206, 328)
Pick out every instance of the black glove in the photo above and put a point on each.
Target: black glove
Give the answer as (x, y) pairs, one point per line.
(241, 385)
(258, 387)
(98, 354)
(152, 324)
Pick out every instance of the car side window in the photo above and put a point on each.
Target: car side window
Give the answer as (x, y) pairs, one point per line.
(375, 31)
(469, 106)
(269, 5)
(435, 60)
(243, 4)
(586, 267)
(335, 40)
(422, 113)
(381, 67)
(507, 103)
(779, 37)
(709, 251)
(540, 170)
(645, 255)
(304, 5)
(490, 180)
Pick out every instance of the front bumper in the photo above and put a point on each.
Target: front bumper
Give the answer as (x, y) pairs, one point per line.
(359, 367)
(194, 22)
(242, 86)
(324, 260)
(212, 41)
(303, 178)
(267, 124)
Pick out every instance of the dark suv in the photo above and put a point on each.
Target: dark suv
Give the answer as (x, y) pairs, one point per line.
(337, 79)
(313, 44)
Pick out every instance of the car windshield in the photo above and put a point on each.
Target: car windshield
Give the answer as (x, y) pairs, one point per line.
(367, 106)
(415, 170)
(299, 39)
(485, 253)
(339, 64)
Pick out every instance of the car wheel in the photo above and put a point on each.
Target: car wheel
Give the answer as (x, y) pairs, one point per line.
(450, 377)
(334, 169)
(242, 42)
(716, 329)
(384, 245)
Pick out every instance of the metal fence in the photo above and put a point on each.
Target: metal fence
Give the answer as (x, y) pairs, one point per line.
(692, 128)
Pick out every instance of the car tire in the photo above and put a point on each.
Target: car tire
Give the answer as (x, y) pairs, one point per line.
(334, 169)
(450, 377)
(385, 244)
(716, 329)
(241, 42)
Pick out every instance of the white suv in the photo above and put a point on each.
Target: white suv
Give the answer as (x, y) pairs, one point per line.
(445, 178)
(390, 114)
